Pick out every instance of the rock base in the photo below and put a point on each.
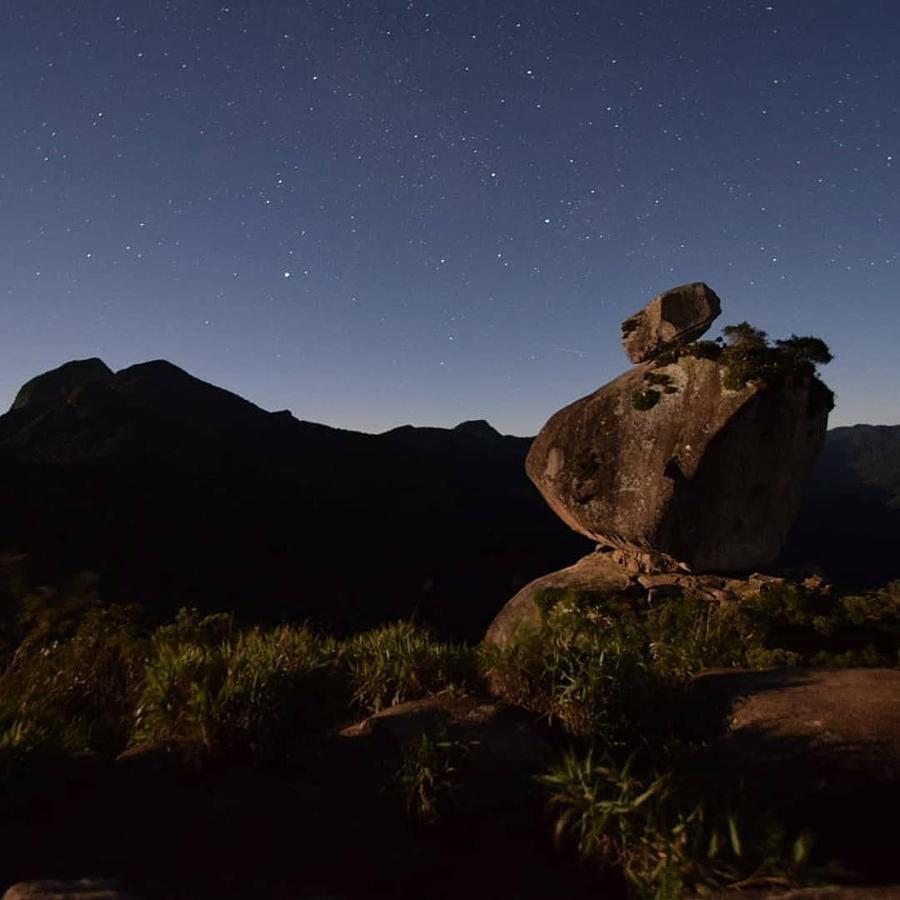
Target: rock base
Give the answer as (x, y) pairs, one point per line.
(648, 577)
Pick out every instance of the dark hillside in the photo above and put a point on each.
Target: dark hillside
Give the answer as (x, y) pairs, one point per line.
(850, 521)
(864, 454)
(178, 492)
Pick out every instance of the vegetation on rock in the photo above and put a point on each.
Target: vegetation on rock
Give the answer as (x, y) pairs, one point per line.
(646, 399)
(746, 356)
(401, 662)
(597, 659)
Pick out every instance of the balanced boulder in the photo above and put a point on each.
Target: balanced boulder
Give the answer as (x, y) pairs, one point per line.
(694, 454)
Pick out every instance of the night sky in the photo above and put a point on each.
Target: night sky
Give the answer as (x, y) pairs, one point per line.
(375, 213)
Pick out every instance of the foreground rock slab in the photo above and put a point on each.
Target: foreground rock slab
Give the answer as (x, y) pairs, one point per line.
(823, 745)
(851, 717)
(679, 315)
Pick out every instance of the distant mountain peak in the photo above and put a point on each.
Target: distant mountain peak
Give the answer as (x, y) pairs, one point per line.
(155, 365)
(177, 395)
(46, 389)
(157, 396)
(478, 428)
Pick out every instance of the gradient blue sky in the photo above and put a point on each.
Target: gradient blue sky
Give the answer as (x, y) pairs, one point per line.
(375, 213)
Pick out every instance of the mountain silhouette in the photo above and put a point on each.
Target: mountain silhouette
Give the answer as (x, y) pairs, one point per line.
(177, 492)
(849, 524)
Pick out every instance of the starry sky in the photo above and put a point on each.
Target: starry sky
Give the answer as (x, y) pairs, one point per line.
(382, 212)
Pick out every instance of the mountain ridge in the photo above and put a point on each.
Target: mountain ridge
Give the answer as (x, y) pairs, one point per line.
(179, 492)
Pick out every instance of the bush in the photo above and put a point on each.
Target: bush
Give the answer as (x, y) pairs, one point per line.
(36, 612)
(248, 694)
(809, 627)
(401, 662)
(748, 357)
(686, 633)
(79, 691)
(704, 350)
(644, 400)
(192, 627)
(588, 667)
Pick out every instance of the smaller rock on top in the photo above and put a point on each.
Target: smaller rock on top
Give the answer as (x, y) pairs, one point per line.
(679, 315)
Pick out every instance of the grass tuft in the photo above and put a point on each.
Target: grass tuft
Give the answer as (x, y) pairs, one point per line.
(401, 662)
(669, 837)
(251, 693)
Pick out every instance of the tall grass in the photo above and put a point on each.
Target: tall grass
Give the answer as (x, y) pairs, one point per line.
(87, 676)
(252, 692)
(401, 662)
(601, 664)
(258, 690)
(588, 667)
(77, 691)
(431, 775)
(669, 836)
(102, 682)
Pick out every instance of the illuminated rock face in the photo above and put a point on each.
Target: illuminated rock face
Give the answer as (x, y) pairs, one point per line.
(708, 476)
(677, 316)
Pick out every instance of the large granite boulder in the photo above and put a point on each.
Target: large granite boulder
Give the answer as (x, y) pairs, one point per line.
(55, 385)
(708, 475)
(677, 316)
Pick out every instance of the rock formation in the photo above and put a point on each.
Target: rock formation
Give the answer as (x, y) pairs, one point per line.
(694, 461)
(710, 476)
(676, 316)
